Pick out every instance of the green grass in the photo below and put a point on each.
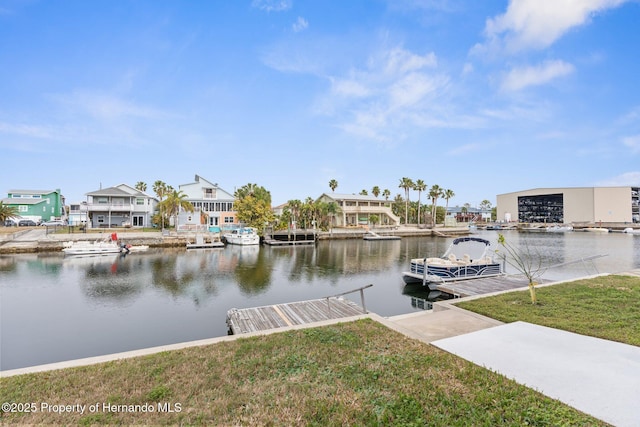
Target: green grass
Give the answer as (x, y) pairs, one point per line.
(605, 307)
(357, 373)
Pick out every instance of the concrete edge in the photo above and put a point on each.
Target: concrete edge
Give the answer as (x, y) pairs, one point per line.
(87, 361)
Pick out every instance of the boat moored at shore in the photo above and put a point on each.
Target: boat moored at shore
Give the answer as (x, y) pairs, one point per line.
(456, 264)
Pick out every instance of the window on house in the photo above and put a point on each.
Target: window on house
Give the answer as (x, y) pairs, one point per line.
(23, 208)
(139, 202)
(228, 220)
(209, 193)
(100, 219)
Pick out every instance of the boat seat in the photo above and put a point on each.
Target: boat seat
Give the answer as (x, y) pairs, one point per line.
(452, 258)
(466, 258)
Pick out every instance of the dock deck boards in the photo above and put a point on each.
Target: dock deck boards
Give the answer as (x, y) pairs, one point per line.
(263, 318)
(467, 288)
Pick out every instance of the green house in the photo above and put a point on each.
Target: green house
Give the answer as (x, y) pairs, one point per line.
(37, 205)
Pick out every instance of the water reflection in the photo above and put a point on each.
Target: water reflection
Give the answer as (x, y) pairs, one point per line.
(113, 303)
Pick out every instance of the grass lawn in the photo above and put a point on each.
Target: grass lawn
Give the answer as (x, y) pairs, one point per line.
(357, 373)
(605, 307)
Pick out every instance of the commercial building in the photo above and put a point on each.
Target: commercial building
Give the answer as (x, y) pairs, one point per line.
(571, 205)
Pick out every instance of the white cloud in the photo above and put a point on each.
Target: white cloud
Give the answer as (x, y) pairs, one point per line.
(633, 142)
(631, 179)
(105, 106)
(272, 5)
(522, 77)
(535, 24)
(349, 88)
(301, 24)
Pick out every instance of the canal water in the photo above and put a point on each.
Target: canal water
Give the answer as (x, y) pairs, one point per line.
(55, 308)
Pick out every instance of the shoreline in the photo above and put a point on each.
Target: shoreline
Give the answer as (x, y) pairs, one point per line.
(18, 243)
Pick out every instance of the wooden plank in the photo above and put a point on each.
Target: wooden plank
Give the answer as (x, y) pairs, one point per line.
(466, 288)
(296, 313)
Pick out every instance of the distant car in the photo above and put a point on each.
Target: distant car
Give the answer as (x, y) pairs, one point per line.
(10, 223)
(26, 223)
(53, 223)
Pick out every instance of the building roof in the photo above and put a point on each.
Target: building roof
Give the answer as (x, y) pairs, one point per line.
(22, 201)
(360, 197)
(118, 191)
(33, 191)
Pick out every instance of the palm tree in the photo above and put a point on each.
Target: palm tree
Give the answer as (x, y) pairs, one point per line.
(407, 184)
(7, 212)
(386, 193)
(434, 192)
(294, 207)
(175, 202)
(364, 193)
(447, 194)
(419, 186)
(161, 189)
(375, 191)
(333, 184)
(141, 186)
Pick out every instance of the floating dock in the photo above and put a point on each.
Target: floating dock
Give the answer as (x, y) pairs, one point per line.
(487, 285)
(242, 321)
(370, 235)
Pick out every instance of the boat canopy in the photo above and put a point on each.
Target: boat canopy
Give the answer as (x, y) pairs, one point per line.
(471, 239)
(472, 247)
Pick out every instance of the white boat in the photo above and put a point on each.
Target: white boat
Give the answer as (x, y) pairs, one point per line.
(596, 229)
(242, 236)
(370, 235)
(630, 230)
(456, 264)
(559, 228)
(98, 247)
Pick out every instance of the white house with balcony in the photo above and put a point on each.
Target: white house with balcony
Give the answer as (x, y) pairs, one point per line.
(213, 203)
(357, 210)
(120, 206)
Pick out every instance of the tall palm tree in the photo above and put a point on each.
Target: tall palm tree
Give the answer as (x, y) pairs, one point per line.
(161, 189)
(447, 194)
(333, 184)
(141, 186)
(419, 186)
(175, 202)
(407, 184)
(386, 193)
(375, 191)
(434, 192)
(294, 207)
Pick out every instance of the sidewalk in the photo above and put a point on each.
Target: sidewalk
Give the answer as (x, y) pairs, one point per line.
(596, 376)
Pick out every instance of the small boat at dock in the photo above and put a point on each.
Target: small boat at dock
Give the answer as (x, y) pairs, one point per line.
(456, 264)
(242, 236)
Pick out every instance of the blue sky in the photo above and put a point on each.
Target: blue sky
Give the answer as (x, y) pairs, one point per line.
(482, 98)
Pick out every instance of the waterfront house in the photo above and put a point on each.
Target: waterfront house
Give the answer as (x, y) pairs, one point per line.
(213, 205)
(120, 206)
(37, 205)
(356, 209)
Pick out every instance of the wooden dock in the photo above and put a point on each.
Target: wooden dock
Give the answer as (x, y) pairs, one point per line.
(245, 320)
(242, 321)
(487, 285)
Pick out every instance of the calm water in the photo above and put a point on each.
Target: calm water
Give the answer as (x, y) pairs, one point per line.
(56, 308)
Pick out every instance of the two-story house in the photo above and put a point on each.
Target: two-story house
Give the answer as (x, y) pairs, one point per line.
(120, 206)
(214, 203)
(357, 209)
(37, 205)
